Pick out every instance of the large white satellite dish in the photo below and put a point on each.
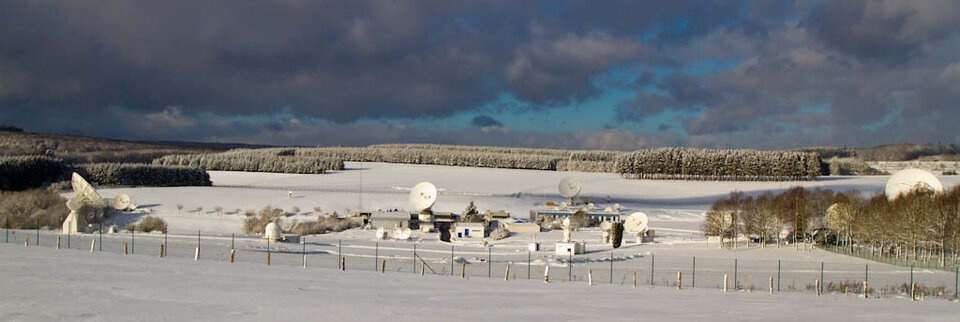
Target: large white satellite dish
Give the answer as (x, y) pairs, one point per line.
(121, 202)
(636, 223)
(85, 193)
(569, 187)
(908, 180)
(422, 196)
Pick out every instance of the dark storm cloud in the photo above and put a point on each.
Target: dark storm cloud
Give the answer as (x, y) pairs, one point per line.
(484, 120)
(803, 72)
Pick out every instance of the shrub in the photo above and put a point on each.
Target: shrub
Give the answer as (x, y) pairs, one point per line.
(324, 224)
(499, 233)
(255, 223)
(148, 224)
(27, 209)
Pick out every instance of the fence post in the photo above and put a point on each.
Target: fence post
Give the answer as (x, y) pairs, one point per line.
(58, 242)
(101, 239)
(634, 279)
(956, 283)
(376, 255)
(463, 269)
(303, 242)
(736, 281)
(451, 260)
(232, 242)
(93, 242)
(570, 266)
(911, 275)
(383, 267)
(866, 290)
(268, 253)
(197, 255)
(340, 260)
(133, 240)
(778, 276)
(423, 268)
(161, 251)
(343, 264)
(818, 287)
(653, 259)
(679, 281)
(546, 274)
(771, 284)
(821, 277)
(506, 276)
(68, 239)
(528, 263)
(693, 276)
(589, 277)
(725, 283)
(611, 267)
(165, 241)
(26, 240)
(233, 254)
(414, 259)
(489, 263)
(38, 232)
(124, 248)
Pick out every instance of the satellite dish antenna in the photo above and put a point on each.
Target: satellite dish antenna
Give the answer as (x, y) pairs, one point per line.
(74, 203)
(910, 180)
(569, 188)
(121, 202)
(616, 207)
(423, 196)
(563, 204)
(591, 206)
(637, 223)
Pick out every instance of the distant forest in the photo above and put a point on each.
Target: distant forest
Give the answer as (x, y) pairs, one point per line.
(76, 152)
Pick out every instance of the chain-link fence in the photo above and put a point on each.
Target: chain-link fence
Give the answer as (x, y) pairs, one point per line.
(624, 267)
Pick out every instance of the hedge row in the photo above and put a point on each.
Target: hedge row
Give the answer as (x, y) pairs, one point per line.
(25, 172)
(703, 164)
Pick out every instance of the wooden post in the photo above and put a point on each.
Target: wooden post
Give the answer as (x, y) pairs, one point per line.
(125, 245)
(268, 258)
(913, 291)
(233, 253)
(463, 270)
(506, 276)
(634, 279)
(58, 242)
(771, 284)
(343, 264)
(161, 250)
(679, 281)
(383, 267)
(725, 283)
(196, 255)
(26, 240)
(818, 287)
(304, 260)
(546, 274)
(866, 290)
(423, 266)
(846, 289)
(93, 242)
(589, 277)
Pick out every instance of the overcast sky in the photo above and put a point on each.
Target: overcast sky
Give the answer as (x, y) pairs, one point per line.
(566, 74)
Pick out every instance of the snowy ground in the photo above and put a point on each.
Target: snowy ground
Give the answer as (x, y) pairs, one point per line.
(44, 284)
(673, 205)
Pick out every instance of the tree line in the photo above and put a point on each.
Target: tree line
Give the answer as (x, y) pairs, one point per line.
(707, 164)
(24, 172)
(918, 226)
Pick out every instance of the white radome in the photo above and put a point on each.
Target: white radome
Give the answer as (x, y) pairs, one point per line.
(272, 232)
(908, 180)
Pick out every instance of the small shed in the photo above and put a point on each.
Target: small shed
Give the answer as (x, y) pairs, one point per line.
(391, 220)
(469, 230)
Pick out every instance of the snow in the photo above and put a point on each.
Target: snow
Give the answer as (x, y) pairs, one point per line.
(42, 284)
(676, 205)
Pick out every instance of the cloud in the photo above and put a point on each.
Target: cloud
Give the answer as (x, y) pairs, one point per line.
(484, 121)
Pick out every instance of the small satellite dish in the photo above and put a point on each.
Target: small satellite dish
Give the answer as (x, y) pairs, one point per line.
(563, 204)
(608, 209)
(423, 196)
(636, 223)
(606, 226)
(591, 206)
(381, 233)
(617, 207)
(569, 187)
(121, 202)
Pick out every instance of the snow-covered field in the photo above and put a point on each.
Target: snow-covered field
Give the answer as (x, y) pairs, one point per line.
(144, 287)
(43, 284)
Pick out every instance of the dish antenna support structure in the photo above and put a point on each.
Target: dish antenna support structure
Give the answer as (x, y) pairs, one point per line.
(569, 188)
(84, 195)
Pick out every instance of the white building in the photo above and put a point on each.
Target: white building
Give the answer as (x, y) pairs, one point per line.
(469, 230)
